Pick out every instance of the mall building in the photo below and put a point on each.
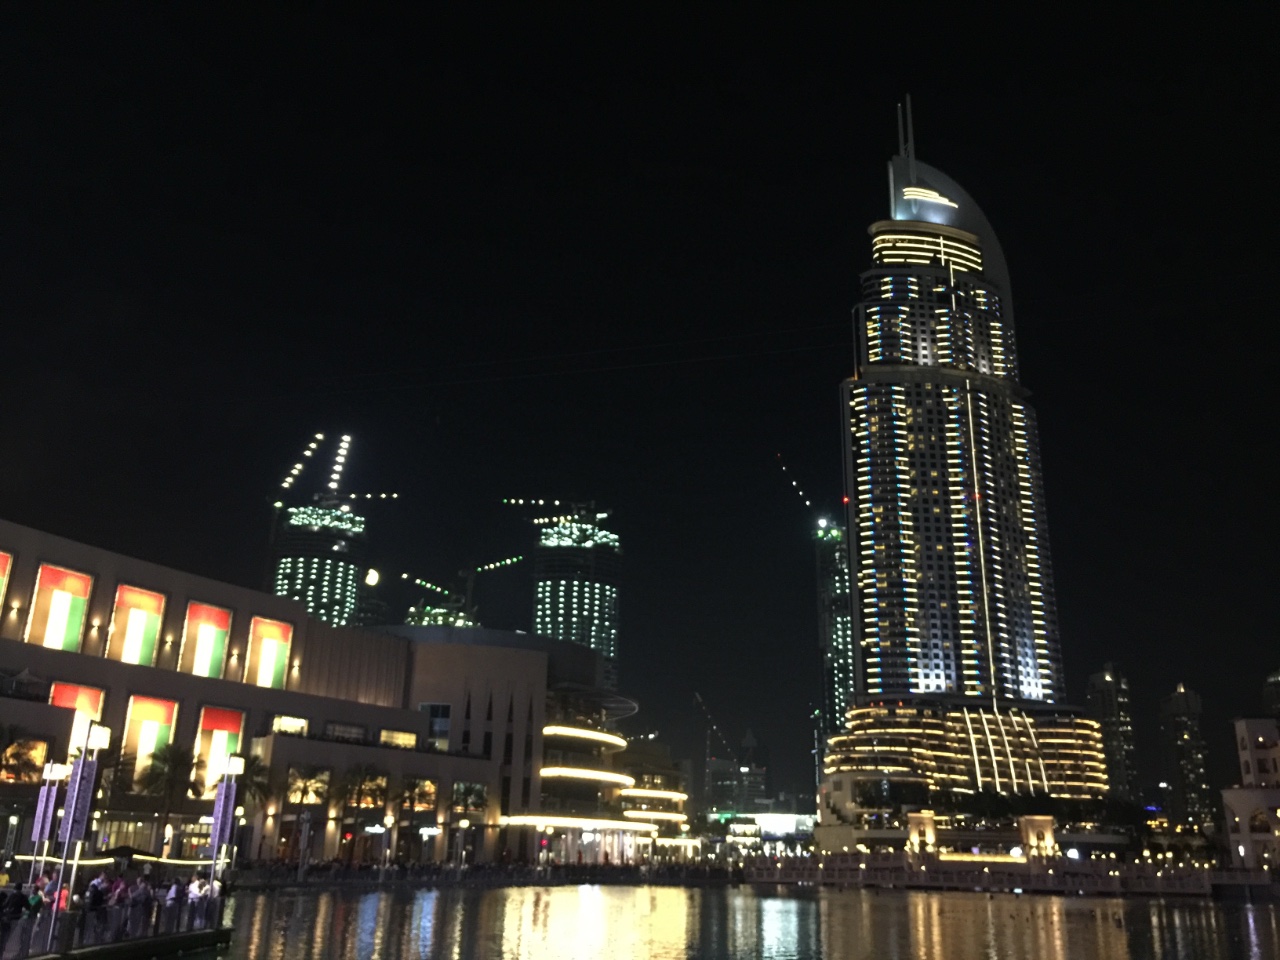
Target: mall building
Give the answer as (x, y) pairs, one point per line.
(402, 742)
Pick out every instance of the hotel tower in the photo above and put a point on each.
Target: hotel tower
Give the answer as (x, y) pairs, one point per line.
(955, 623)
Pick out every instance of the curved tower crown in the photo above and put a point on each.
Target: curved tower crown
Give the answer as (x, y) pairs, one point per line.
(948, 532)
(921, 193)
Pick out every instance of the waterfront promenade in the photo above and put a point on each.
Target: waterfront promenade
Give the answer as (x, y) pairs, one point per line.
(959, 872)
(1103, 877)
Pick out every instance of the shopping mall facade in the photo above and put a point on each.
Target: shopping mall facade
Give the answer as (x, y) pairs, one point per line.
(400, 742)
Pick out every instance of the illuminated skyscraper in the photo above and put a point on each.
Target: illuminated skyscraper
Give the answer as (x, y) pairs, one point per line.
(946, 507)
(319, 549)
(577, 569)
(1107, 699)
(955, 628)
(1191, 802)
(835, 624)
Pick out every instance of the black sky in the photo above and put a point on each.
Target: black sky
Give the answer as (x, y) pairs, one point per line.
(614, 259)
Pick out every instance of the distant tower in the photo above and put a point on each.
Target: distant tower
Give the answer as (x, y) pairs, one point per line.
(1107, 700)
(1271, 694)
(319, 548)
(577, 569)
(1190, 800)
(835, 624)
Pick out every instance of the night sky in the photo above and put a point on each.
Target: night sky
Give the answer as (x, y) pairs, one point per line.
(615, 260)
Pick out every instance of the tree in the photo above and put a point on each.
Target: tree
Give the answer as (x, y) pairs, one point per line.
(308, 781)
(254, 784)
(363, 787)
(174, 773)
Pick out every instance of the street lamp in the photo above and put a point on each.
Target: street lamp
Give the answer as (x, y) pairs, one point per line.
(388, 822)
(80, 790)
(460, 842)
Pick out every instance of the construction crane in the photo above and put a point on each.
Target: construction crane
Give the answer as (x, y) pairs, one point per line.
(461, 602)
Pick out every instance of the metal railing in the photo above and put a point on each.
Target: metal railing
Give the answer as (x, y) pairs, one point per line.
(31, 935)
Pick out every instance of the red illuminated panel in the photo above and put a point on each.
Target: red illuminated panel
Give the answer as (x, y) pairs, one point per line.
(148, 727)
(220, 731)
(204, 639)
(269, 642)
(135, 625)
(58, 612)
(86, 702)
(6, 566)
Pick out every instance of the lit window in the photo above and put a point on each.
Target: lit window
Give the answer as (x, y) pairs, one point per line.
(293, 726)
(398, 738)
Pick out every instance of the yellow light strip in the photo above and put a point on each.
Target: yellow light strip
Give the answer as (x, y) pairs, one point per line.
(84, 861)
(581, 773)
(656, 794)
(677, 841)
(655, 815)
(930, 196)
(582, 823)
(584, 733)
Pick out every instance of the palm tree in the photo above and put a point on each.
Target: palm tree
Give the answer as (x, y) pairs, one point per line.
(174, 773)
(365, 788)
(308, 781)
(254, 782)
(411, 795)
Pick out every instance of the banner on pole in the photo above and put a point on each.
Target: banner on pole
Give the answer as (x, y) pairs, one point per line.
(75, 815)
(44, 812)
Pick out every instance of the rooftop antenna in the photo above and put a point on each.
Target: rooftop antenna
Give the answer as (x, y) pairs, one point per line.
(911, 143)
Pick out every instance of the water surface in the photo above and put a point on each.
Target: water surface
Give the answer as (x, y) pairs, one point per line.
(666, 923)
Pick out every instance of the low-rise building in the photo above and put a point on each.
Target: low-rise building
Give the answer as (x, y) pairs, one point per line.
(1253, 807)
(413, 743)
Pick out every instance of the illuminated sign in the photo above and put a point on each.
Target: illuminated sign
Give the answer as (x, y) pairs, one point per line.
(204, 640)
(148, 727)
(86, 702)
(219, 737)
(269, 642)
(61, 604)
(6, 566)
(135, 625)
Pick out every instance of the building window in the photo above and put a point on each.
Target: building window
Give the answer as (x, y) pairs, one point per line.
(308, 785)
(135, 625)
(469, 798)
(398, 738)
(148, 726)
(344, 731)
(419, 796)
(219, 737)
(438, 719)
(22, 760)
(291, 726)
(268, 657)
(59, 609)
(86, 702)
(6, 565)
(204, 640)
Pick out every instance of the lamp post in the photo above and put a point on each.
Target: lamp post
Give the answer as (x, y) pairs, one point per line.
(387, 823)
(460, 839)
(10, 838)
(80, 789)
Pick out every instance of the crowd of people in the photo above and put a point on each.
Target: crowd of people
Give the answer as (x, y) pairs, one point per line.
(110, 906)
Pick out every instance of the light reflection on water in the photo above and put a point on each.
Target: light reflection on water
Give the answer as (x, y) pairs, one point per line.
(665, 923)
